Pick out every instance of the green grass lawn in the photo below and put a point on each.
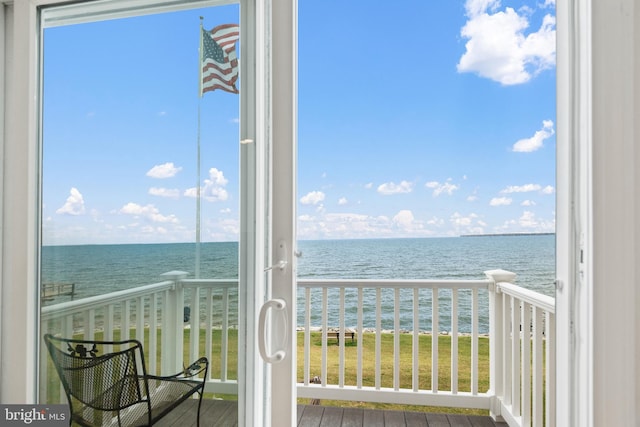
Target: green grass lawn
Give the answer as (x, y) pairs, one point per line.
(350, 372)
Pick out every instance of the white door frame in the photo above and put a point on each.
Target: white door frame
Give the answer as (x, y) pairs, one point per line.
(573, 306)
(577, 366)
(284, 38)
(21, 205)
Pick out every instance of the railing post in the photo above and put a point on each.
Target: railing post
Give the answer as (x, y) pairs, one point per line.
(496, 332)
(172, 325)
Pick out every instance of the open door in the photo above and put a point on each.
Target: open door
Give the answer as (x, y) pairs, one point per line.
(262, 141)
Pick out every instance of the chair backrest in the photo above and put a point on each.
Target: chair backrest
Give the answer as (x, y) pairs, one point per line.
(106, 381)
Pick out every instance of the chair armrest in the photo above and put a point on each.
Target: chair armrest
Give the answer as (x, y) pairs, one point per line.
(200, 365)
(197, 367)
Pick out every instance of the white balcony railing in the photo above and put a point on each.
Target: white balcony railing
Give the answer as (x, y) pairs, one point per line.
(154, 314)
(423, 307)
(520, 390)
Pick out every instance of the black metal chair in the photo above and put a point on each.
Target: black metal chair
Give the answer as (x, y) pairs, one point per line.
(106, 382)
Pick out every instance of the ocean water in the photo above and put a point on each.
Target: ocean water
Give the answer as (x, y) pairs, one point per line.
(100, 269)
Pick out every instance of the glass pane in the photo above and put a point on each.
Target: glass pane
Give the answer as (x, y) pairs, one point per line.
(132, 156)
(426, 152)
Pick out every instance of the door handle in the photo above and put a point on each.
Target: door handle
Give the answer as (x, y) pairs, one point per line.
(278, 355)
(282, 257)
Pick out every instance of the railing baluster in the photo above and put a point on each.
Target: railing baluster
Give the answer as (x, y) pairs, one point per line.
(360, 326)
(434, 339)
(153, 334)
(224, 347)
(307, 336)
(89, 324)
(125, 319)
(396, 339)
(378, 336)
(324, 335)
(454, 341)
(550, 357)
(208, 324)
(194, 323)
(342, 339)
(416, 340)
(165, 366)
(515, 352)
(67, 326)
(140, 319)
(526, 364)
(474, 341)
(109, 323)
(508, 336)
(538, 372)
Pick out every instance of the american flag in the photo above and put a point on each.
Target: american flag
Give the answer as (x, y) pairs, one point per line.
(219, 62)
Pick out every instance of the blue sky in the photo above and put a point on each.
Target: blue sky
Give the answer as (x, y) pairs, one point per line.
(420, 119)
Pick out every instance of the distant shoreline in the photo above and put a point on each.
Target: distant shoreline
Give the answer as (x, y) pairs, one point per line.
(507, 234)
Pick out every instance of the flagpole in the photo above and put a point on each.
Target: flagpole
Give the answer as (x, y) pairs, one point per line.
(197, 267)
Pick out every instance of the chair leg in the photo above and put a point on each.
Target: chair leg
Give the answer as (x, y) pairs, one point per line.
(199, 405)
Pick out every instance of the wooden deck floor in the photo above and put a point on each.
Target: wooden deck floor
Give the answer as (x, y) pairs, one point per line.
(224, 413)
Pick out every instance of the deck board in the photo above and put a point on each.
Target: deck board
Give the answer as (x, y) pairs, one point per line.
(373, 418)
(311, 416)
(224, 413)
(394, 419)
(416, 419)
(438, 420)
(331, 417)
(353, 417)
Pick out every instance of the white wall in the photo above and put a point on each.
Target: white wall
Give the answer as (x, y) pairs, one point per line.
(19, 199)
(614, 216)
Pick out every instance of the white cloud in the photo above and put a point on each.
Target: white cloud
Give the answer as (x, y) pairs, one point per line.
(74, 204)
(459, 220)
(356, 225)
(528, 203)
(213, 188)
(497, 47)
(171, 193)
(150, 212)
(500, 201)
(312, 198)
(438, 188)
(528, 188)
(521, 188)
(404, 219)
(342, 201)
(528, 220)
(436, 222)
(477, 7)
(368, 185)
(470, 224)
(548, 190)
(536, 142)
(166, 170)
(389, 188)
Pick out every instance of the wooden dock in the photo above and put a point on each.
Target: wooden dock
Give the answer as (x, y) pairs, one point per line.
(50, 291)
